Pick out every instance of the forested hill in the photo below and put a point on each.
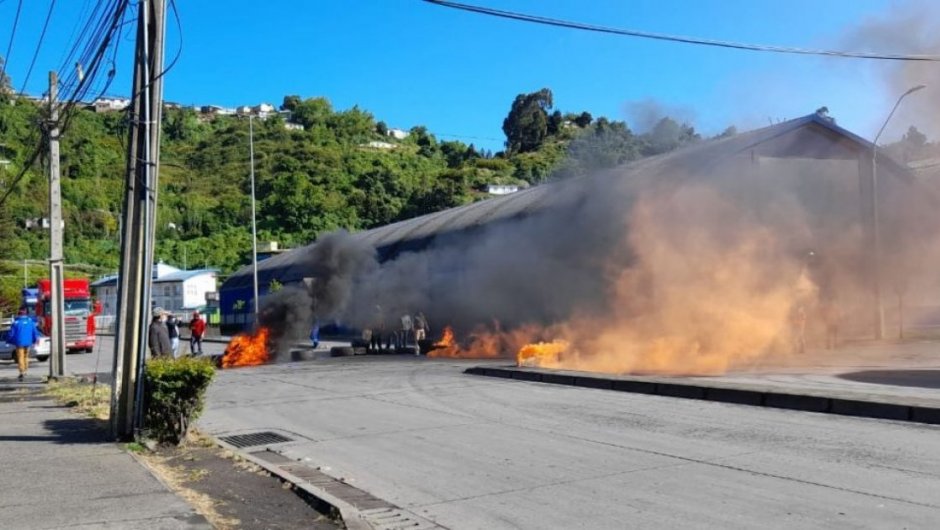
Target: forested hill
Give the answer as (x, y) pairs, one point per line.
(342, 170)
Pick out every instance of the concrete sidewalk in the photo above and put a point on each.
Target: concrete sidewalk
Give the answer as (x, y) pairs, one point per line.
(60, 471)
(897, 381)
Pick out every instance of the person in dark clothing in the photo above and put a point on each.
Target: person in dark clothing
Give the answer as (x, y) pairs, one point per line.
(173, 330)
(315, 334)
(159, 337)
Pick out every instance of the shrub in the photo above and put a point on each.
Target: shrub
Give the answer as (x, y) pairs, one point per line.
(174, 392)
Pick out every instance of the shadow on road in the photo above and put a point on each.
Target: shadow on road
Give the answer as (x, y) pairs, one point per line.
(913, 378)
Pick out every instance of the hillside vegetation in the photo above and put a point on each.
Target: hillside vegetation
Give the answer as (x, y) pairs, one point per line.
(310, 181)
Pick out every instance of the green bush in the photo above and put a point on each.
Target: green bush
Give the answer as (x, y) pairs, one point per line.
(174, 392)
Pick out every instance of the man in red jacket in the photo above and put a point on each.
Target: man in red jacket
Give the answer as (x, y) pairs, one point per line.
(197, 328)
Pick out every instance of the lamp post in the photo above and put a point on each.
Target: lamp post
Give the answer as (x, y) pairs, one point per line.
(876, 238)
(254, 227)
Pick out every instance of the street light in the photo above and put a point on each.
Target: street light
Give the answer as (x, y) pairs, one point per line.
(254, 227)
(876, 238)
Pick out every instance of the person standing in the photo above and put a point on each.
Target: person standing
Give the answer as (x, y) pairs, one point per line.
(159, 337)
(22, 335)
(421, 331)
(173, 330)
(315, 333)
(407, 330)
(798, 327)
(197, 328)
(421, 326)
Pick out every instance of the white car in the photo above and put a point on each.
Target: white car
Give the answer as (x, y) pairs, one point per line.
(40, 351)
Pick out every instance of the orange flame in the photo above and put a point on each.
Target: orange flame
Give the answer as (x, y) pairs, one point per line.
(542, 354)
(483, 345)
(247, 349)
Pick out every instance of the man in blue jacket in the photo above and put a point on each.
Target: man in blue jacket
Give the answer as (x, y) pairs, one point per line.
(22, 335)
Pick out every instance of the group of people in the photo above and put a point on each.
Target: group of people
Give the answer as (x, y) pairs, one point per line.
(412, 330)
(164, 334)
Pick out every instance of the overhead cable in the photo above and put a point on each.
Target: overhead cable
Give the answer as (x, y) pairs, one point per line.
(535, 19)
(42, 36)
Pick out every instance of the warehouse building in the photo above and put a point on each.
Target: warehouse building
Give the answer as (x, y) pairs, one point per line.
(828, 169)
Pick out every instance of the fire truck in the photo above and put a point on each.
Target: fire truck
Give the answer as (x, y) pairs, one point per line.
(79, 312)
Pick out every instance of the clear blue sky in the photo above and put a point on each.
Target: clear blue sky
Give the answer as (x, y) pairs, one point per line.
(411, 63)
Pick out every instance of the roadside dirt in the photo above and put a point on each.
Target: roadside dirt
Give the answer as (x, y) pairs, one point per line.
(231, 492)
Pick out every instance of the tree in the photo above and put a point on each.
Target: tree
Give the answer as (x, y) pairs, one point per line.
(729, 132)
(291, 102)
(667, 135)
(6, 90)
(555, 122)
(526, 126)
(311, 112)
(584, 119)
(911, 146)
(381, 128)
(915, 138)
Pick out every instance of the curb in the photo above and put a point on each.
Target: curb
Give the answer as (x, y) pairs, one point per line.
(808, 402)
(357, 509)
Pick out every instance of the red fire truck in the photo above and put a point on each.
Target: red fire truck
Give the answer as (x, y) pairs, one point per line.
(79, 313)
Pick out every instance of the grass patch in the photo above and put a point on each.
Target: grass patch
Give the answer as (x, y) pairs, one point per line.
(88, 399)
(135, 447)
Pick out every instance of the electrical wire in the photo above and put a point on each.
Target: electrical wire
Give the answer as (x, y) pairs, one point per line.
(95, 49)
(6, 58)
(42, 37)
(535, 19)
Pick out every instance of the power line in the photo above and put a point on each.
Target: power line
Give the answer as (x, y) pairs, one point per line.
(535, 19)
(6, 58)
(42, 36)
(95, 49)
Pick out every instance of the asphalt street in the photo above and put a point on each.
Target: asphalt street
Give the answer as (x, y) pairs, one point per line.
(472, 452)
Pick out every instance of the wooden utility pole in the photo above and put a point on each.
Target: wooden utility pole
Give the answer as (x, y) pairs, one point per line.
(56, 269)
(139, 221)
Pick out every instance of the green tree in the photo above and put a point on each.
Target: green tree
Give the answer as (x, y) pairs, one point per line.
(527, 124)
(6, 90)
(584, 119)
(291, 102)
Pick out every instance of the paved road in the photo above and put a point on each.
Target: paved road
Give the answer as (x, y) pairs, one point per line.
(102, 358)
(472, 452)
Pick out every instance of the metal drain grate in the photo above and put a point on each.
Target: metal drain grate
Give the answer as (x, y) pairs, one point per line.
(255, 438)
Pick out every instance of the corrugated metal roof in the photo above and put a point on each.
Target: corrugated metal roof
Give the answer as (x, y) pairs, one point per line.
(178, 276)
(811, 136)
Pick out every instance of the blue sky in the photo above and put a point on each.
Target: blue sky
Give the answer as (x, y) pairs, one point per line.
(411, 63)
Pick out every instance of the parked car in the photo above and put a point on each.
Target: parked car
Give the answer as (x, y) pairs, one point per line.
(40, 351)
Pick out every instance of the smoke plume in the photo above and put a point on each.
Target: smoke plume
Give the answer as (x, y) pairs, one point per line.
(701, 266)
(911, 27)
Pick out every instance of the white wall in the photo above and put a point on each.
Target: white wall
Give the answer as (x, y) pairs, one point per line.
(195, 289)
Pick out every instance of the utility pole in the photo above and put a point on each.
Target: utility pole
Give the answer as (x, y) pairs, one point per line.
(876, 266)
(254, 226)
(139, 221)
(56, 269)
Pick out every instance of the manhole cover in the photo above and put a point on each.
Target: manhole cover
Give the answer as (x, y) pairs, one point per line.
(256, 438)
